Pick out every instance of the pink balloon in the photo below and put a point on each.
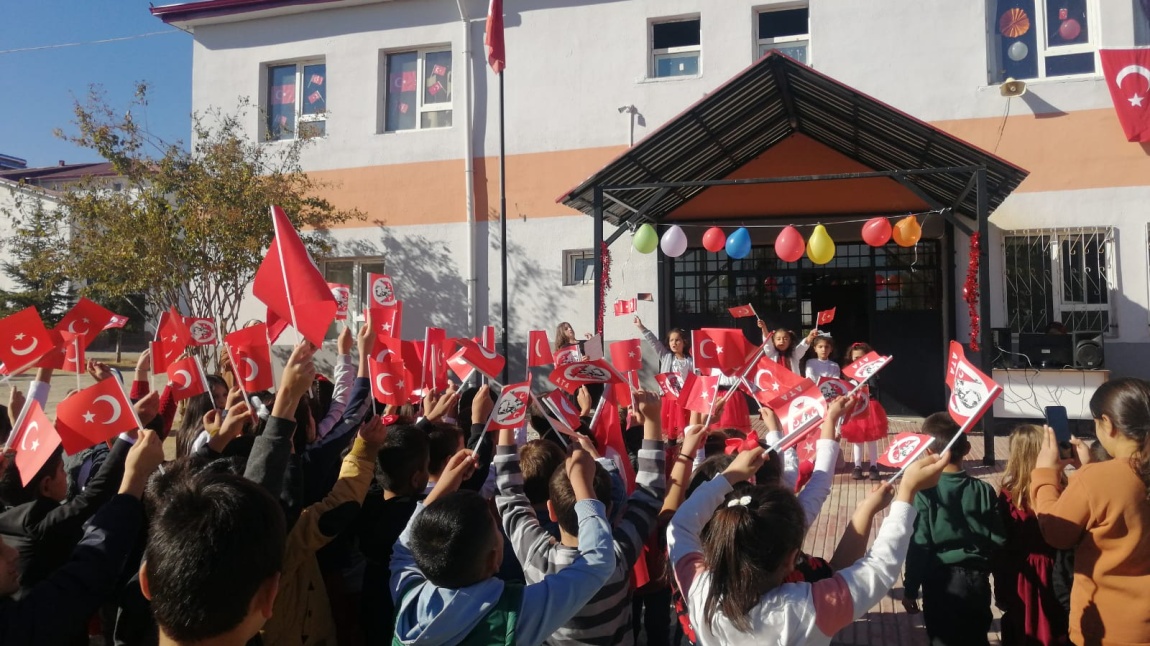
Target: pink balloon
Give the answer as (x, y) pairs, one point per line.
(1069, 29)
(714, 240)
(876, 231)
(790, 246)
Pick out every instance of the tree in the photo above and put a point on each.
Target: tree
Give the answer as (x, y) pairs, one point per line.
(189, 227)
(33, 258)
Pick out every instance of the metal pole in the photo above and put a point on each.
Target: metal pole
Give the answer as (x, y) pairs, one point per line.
(597, 270)
(503, 226)
(984, 336)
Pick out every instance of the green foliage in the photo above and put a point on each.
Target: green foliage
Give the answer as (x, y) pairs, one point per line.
(33, 250)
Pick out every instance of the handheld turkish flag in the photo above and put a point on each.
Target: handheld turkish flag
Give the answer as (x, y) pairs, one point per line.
(511, 408)
(701, 397)
(866, 367)
(434, 374)
(460, 368)
(487, 339)
(275, 326)
(799, 409)
(625, 306)
(668, 383)
(493, 38)
(971, 391)
(487, 362)
(571, 376)
(73, 348)
(251, 358)
(86, 319)
(832, 387)
(627, 355)
(342, 296)
(387, 382)
(23, 339)
(825, 316)
(773, 379)
(411, 355)
(186, 378)
(116, 322)
(903, 450)
(567, 355)
(742, 311)
(564, 410)
(539, 349)
(1127, 74)
(723, 348)
(34, 439)
(289, 283)
(173, 337)
(381, 290)
(387, 320)
(93, 415)
(608, 435)
(201, 330)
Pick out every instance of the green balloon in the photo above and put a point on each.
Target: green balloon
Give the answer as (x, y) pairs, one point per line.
(645, 240)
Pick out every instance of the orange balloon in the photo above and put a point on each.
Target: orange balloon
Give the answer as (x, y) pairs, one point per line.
(907, 232)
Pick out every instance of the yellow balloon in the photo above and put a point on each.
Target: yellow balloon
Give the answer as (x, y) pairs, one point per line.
(820, 247)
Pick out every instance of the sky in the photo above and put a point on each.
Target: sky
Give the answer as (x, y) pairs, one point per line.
(42, 85)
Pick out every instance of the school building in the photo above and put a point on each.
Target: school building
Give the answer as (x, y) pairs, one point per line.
(624, 112)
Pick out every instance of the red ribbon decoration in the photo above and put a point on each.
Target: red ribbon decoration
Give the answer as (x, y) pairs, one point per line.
(604, 285)
(389, 420)
(734, 445)
(970, 291)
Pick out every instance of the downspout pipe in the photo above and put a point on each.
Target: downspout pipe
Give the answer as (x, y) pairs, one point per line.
(469, 174)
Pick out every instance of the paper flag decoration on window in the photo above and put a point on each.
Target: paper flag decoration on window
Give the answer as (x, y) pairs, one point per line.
(439, 70)
(314, 96)
(904, 448)
(434, 89)
(283, 94)
(403, 108)
(316, 79)
(826, 316)
(403, 81)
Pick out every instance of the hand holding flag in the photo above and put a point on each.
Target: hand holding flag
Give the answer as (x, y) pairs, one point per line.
(825, 317)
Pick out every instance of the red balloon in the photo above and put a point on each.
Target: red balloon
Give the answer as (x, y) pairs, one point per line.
(879, 282)
(894, 282)
(714, 240)
(1069, 29)
(790, 246)
(876, 231)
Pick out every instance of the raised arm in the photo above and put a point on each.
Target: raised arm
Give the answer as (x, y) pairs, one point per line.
(653, 340)
(815, 493)
(529, 541)
(1062, 515)
(271, 451)
(343, 375)
(693, 438)
(644, 503)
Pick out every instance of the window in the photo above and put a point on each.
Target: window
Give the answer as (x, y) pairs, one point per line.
(418, 94)
(1044, 38)
(786, 30)
(578, 266)
(297, 100)
(1060, 275)
(675, 48)
(353, 273)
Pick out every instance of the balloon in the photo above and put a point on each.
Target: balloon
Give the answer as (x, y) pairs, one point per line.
(907, 232)
(789, 246)
(879, 282)
(714, 239)
(820, 247)
(645, 239)
(739, 243)
(1069, 29)
(1017, 51)
(894, 282)
(674, 242)
(876, 232)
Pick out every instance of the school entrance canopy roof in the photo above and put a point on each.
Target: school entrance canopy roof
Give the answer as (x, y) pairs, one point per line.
(783, 141)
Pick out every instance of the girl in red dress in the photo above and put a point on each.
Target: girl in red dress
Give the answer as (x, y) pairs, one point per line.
(868, 425)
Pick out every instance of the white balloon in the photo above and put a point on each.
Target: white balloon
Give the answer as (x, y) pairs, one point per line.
(1017, 51)
(674, 242)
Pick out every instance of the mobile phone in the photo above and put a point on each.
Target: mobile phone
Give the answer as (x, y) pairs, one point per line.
(1057, 419)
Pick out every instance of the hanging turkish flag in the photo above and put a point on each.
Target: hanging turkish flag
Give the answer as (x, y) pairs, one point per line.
(903, 450)
(23, 339)
(342, 296)
(866, 366)
(799, 409)
(772, 379)
(251, 358)
(1127, 73)
(493, 38)
(93, 415)
(116, 322)
(86, 319)
(561, 405)
(511, 408)
(723, 348)
(201, 330)
(289, 283)
(387, 320)
(668, 383)
(625, 306)
(701, 397)
(387, 383)
(488, 362)
(571, 376)
(381, 290)
(539, 349)
(627, 355)
(186, 378)
(971, 391)
(825, 316)
(434, 374)
(742, 311)
(34, 439)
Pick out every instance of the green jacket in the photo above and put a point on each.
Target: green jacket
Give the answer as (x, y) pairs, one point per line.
(958, 524)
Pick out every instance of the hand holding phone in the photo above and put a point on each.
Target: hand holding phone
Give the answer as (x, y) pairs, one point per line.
(1057, 419)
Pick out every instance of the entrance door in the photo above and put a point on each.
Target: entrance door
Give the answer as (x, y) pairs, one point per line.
(849, 296)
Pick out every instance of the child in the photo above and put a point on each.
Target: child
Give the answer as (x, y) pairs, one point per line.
(783, 349)
(732, 565)
(674, 358)
(1023, 571)
(606, 616)
(443, 565)
(1104, 514)
(822, 365)
(866, 428)
(956, 537)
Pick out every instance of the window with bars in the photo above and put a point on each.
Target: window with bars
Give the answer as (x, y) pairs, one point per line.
(1060, 276)
(353, 273)
(418, 93)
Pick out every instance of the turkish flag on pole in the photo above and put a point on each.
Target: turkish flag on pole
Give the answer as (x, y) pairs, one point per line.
(722, 348)
(289, 283)
(825, 316)
(251, 358)
(488, 362)
(511, 408)
(742, 311)
(800, 407)
(387, 383)
(23, 339)
(387, 320)
(172, 338)
(186, 378)
(342, 295)
(904, 448)
(866, 366)
(73, 348)
(561, 405)
(487, 339)
(772, 379)
(93, 415)
(496, 51)
(86, 319)
(701, 397)
(116, 322)
(539, 349)
(434, 359)
(627, 355)
(275, 326)
(34, 439)
(668, 383)
(1127, 73)
(971, 391)
(411, 355)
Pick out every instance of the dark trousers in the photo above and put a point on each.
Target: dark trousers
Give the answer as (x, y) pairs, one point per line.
(652, 611)
(956, 606)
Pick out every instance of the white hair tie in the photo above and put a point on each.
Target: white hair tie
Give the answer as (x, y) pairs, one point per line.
(739, 502)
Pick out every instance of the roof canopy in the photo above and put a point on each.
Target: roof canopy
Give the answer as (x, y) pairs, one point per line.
(781, 119)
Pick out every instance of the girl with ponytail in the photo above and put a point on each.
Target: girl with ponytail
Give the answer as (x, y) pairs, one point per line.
(1104, 515)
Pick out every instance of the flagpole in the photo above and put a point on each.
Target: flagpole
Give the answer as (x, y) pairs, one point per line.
(76, 341)
(503, 222)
